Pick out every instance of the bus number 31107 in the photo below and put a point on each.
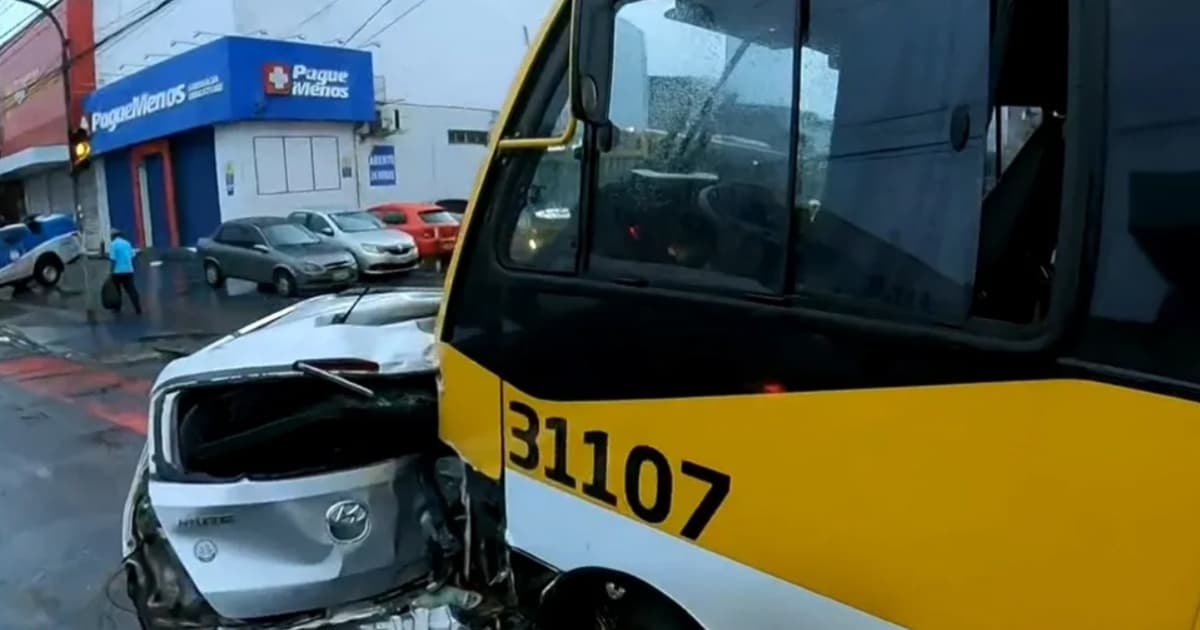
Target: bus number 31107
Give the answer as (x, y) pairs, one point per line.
(640, 460)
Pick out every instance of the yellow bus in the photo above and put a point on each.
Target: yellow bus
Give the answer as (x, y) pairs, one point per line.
(837, 314)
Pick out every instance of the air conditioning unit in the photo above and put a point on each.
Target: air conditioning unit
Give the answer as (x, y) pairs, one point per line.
(387, 122)
(389, 119)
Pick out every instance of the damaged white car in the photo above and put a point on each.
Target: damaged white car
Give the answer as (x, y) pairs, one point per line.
(293, 477)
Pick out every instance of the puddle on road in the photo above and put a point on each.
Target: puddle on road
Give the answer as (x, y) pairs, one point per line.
(111, 438)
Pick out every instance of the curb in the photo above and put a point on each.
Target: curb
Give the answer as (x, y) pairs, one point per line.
(13, 337)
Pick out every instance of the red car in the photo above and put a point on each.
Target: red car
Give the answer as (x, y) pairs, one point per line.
(434, 229)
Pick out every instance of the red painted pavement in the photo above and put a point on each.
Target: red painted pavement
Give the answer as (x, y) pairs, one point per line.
(109, 396)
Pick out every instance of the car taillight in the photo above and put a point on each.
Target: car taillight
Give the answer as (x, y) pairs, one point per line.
(429, 234)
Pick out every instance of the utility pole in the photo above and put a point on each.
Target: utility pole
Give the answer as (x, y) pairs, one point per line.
(65, 67)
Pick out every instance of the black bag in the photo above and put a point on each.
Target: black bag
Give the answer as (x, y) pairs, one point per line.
(110, 295)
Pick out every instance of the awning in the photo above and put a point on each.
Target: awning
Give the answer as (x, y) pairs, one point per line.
(33, 160)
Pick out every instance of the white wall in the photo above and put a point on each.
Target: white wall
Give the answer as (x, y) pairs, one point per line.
(259, 190)
(151, 40)
(449, 62)
(430, 52)
(428, 166)
(104, 221)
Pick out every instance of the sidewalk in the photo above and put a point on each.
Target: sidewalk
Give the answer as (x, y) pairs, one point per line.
(181, 312)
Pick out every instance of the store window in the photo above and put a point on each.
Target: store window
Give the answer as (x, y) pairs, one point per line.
(296, 164)
(467, 136)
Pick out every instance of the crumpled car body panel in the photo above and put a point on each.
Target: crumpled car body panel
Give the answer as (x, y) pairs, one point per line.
(256, 549)
(322, 544)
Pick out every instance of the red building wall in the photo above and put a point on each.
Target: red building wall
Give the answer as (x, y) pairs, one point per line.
(31, 93)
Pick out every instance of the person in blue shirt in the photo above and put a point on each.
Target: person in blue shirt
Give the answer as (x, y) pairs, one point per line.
(121, 254)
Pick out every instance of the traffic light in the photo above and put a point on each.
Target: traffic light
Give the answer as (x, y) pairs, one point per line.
(81, 150)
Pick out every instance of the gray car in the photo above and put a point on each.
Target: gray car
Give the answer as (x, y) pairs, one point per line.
(378, 249)
(273, 251)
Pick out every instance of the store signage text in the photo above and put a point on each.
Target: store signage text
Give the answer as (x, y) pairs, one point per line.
(151, 102)
(382, 165)
(281, 79)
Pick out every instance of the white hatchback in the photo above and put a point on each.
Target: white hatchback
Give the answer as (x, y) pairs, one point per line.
(288, 479)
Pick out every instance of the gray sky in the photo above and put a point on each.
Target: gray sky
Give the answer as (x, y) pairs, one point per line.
(13, 13)
(705, 56)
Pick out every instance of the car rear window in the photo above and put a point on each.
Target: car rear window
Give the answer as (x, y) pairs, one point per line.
(438, 216)
(357, 221)
(391, 217)
(284, 234)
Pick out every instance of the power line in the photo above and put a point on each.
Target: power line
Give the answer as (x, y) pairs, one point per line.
(125, 28)
(396, 19)
(11, 45)
(56, 72)
(20, 25)
(329, 5)
(100, 29)
(367, 21)
(11, 4)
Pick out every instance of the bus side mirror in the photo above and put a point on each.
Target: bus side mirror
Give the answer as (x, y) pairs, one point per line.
(593, 23)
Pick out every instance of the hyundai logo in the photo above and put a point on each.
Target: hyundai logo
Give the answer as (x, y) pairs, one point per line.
(348, 521)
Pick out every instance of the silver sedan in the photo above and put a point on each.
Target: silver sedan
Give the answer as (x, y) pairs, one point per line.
(377, 249)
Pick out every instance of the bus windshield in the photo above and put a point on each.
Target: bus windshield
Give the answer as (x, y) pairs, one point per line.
(855, 172)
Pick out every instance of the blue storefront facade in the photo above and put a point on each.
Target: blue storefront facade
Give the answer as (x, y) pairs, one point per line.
(159, 131)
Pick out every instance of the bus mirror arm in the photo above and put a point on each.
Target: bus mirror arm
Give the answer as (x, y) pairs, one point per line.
(593, 23)
(607, 137)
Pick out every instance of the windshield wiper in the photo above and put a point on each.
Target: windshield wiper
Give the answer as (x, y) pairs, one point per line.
(341, 318)
(344, 383)
(692, 128)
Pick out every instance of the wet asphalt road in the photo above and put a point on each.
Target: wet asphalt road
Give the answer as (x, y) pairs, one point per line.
(72, 413)
(63, 477)
(181, 310)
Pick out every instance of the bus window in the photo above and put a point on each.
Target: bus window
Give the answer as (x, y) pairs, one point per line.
(696, 190)
(901, 203)
(1010, 129)
(545, 235)
(1145, 310)
(542, 235)
(892, 143)
(893, 113)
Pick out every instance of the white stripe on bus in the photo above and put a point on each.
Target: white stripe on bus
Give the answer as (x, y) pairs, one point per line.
(570, 533)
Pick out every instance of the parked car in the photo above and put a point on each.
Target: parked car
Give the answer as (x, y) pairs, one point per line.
(434, 229)
(38, 249)
(293, 478)
(273, 251)
(377, 249)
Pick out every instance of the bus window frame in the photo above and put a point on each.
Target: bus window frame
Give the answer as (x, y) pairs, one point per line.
(1083, 177)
